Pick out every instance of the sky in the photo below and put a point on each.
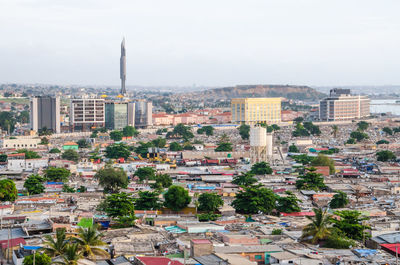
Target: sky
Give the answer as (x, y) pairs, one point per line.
(203, 43)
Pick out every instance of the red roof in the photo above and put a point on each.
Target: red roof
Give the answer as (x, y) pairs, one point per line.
(18, 154)
(299, 214)
(158, 261)
(13, 242)
(392, 247)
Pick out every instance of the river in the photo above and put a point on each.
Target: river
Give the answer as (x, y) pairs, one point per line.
(385, 105)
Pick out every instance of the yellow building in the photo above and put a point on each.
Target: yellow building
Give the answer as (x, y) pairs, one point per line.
(256, 110)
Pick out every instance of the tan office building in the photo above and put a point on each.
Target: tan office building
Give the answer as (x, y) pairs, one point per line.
(341, 105)
(256, 110)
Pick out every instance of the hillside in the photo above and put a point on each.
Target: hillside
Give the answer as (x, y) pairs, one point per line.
(287, 91)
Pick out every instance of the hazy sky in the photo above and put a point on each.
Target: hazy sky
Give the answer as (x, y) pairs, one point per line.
(202, 42)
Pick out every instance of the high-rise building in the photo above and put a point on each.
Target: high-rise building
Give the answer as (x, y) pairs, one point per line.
(86, 114)
(122, 67)
(119, 114)
(143, 113)
(341, 105)
(45, 113)
(256, 110)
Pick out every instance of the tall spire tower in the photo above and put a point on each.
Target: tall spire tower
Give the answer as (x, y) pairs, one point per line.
(122, 68)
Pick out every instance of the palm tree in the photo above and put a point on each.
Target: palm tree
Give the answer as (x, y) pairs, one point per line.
(224, 138)
(319, 228)
(71, 255)
(335, 130)
(89, 242)
(55, 247)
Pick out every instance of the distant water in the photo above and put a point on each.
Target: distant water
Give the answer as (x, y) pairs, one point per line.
(385, 105)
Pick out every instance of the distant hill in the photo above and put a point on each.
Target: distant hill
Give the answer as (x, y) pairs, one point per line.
(241, 91)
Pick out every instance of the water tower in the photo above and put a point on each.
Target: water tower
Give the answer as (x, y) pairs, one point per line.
(261, 147)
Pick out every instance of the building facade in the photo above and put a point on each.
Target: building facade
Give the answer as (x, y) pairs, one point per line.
(45, 113)
(87, 114)
(341, 105)
(256, 110)
(119, 114)
(143, 114)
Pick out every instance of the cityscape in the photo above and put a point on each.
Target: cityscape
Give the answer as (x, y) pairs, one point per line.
(249, 171)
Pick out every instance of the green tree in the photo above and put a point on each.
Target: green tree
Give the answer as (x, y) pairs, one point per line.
(8, 191)
(89, 241)
(118, 205)
(300, 131)
(298, 120)
(303, 159)
(359, 136)
(116, 151)
(323, 160)
(34, 184)
(40, 259)
(130, 131)
(187, 146)
(162, 181)
(54, 151)
(71, 155)
(68, 189)
(145, 173)
(387, 130)
(385, 156)
(288, 204)
(71, 256)
(254, 199)
(143, 147)
(23, 117)
(205, 217)
(148, 200)
(3, 158)
(159, 142)
(28, 154)
(319, 228)
(7, 121)
(116, 135)
(244, 179)
(176, 198)
(382, 142)
(293, 149)
(224, 147)
(276, 231)
(208, 130)
(339, 200)
(310, 181)
(44, 141)
(351, 223)
(210, 202)
(261, 168)
(55, 246)
(311, 128)
(362, 125)
(57, 174)
(244, 131)
(351, 141)
(83, 143)
(112, 179)
(183, 131)
(174, 146)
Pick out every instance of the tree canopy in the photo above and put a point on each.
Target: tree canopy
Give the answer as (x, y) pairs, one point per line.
(363, 125)
(254, 199)
(261, 168)
(57, 174)
(34, 184)
(28, 153)
(116, 135)
(208, 130)
(119, 206)
(83, 143)
(112, 179)
(310, 181)
(176, 198)
(351, 224)
(244, 179)
(244, 131)
(8, 191)
(288, 203)
(116, 151)
(339, 200)
(130, 131)
(145, 173)
(293, 149)
(183, 131)
(323, 160)
(148, 200)
(71, 155)
(209, 202)
(385, 155)
(40, 259)
(174, 146)
(224, 147)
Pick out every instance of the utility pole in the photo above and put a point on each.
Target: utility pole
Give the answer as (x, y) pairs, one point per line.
(34, 254)
(8, 247)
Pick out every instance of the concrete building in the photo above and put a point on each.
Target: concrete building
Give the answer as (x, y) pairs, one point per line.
(119, 114)
(122, 68)
(20, 143)
(143, 114)
(45, 113)
(256, 110)
(261, 145)
(86, 114)
(341, 105)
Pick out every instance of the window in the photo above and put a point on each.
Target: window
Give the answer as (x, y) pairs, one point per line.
(258, 257)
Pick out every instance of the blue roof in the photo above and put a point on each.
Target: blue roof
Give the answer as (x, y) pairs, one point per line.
(31, 247)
